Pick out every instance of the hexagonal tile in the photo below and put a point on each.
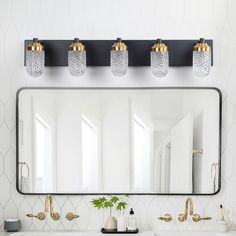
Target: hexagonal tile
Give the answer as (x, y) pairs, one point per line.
(231, 16)
(230, 191)
(10, 210)
(67, 207)
(5, 139)
(84, 208)
(229, 113)
(16, 197)
(38, 207)
(9, 116)
(13, 138)
(5, 195)
(1, 216)
(1, 113)
(95, 216)
(10, 164)
(227, 167)
(231, 137)
(1, 164)
(23, 210)
(32, 200)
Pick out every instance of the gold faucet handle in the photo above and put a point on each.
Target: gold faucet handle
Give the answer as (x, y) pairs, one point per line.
(182, 217)
(166, 218)
(40, 216)
(197, 218)
(71, 216)
(55, 216)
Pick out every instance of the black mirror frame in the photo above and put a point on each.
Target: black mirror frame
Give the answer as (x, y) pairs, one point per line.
(119, 88)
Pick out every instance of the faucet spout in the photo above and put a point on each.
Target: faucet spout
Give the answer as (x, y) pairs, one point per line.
(47, 203)
(188, 210)
(189, 207)
(49, 208)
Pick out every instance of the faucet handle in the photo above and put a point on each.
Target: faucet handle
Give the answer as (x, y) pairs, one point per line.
(182, 217)
(71, 216)
(166, 218)
(40, 216)
(197, 218)
(55, 216)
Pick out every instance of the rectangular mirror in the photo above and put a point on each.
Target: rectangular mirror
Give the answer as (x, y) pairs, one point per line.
(118, 141)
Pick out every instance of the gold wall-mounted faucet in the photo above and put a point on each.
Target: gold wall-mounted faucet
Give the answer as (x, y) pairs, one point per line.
(50, 208)
(188, 210)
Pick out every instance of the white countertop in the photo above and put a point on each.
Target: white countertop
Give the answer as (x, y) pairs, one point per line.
(144, 233)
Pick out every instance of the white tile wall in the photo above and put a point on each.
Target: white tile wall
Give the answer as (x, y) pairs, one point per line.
(106, 19)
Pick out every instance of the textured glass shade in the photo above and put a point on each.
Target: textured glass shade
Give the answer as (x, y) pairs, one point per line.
(119, 62)
(160, 63)
(201, 63)
(35, 63)
(77, 62)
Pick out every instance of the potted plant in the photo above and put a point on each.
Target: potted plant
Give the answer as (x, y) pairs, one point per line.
(110, 202)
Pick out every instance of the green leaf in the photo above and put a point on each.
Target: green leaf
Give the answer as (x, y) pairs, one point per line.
(108, 204)
(121, 206)
(114, 199)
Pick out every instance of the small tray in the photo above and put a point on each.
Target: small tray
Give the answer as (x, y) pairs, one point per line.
(119, 232)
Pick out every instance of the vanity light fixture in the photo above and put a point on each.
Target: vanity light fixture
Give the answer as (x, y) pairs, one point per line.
(77, 58)
(201, 59)
(159, 59)
(119, 58)
(35, 57)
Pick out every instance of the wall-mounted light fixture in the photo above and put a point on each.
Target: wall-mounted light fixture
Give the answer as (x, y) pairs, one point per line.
(77, 58)
(119, 58)
(201, 59)
(159, 59)
(179, 53)
(35, 57)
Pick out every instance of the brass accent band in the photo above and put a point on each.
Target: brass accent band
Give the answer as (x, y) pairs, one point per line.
(35, 46)
(159, 46)
(77, 46)
(202, 46)
(119, 46)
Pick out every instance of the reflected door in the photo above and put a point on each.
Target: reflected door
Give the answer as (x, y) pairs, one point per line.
(181, 149)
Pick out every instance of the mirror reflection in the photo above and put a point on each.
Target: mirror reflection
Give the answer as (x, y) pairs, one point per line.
(160, 141)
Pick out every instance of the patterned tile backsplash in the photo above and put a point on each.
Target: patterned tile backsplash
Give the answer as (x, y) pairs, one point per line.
(89, 19)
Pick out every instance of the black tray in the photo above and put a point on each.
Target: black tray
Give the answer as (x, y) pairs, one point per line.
(119, 232)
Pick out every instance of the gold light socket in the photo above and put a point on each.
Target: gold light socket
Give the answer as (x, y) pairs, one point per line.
(159, 46)
(119, 46)
(202, 46)
(35, 46)
(77, 46)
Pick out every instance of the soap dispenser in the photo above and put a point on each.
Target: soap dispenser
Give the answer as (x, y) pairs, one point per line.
(132, 221)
